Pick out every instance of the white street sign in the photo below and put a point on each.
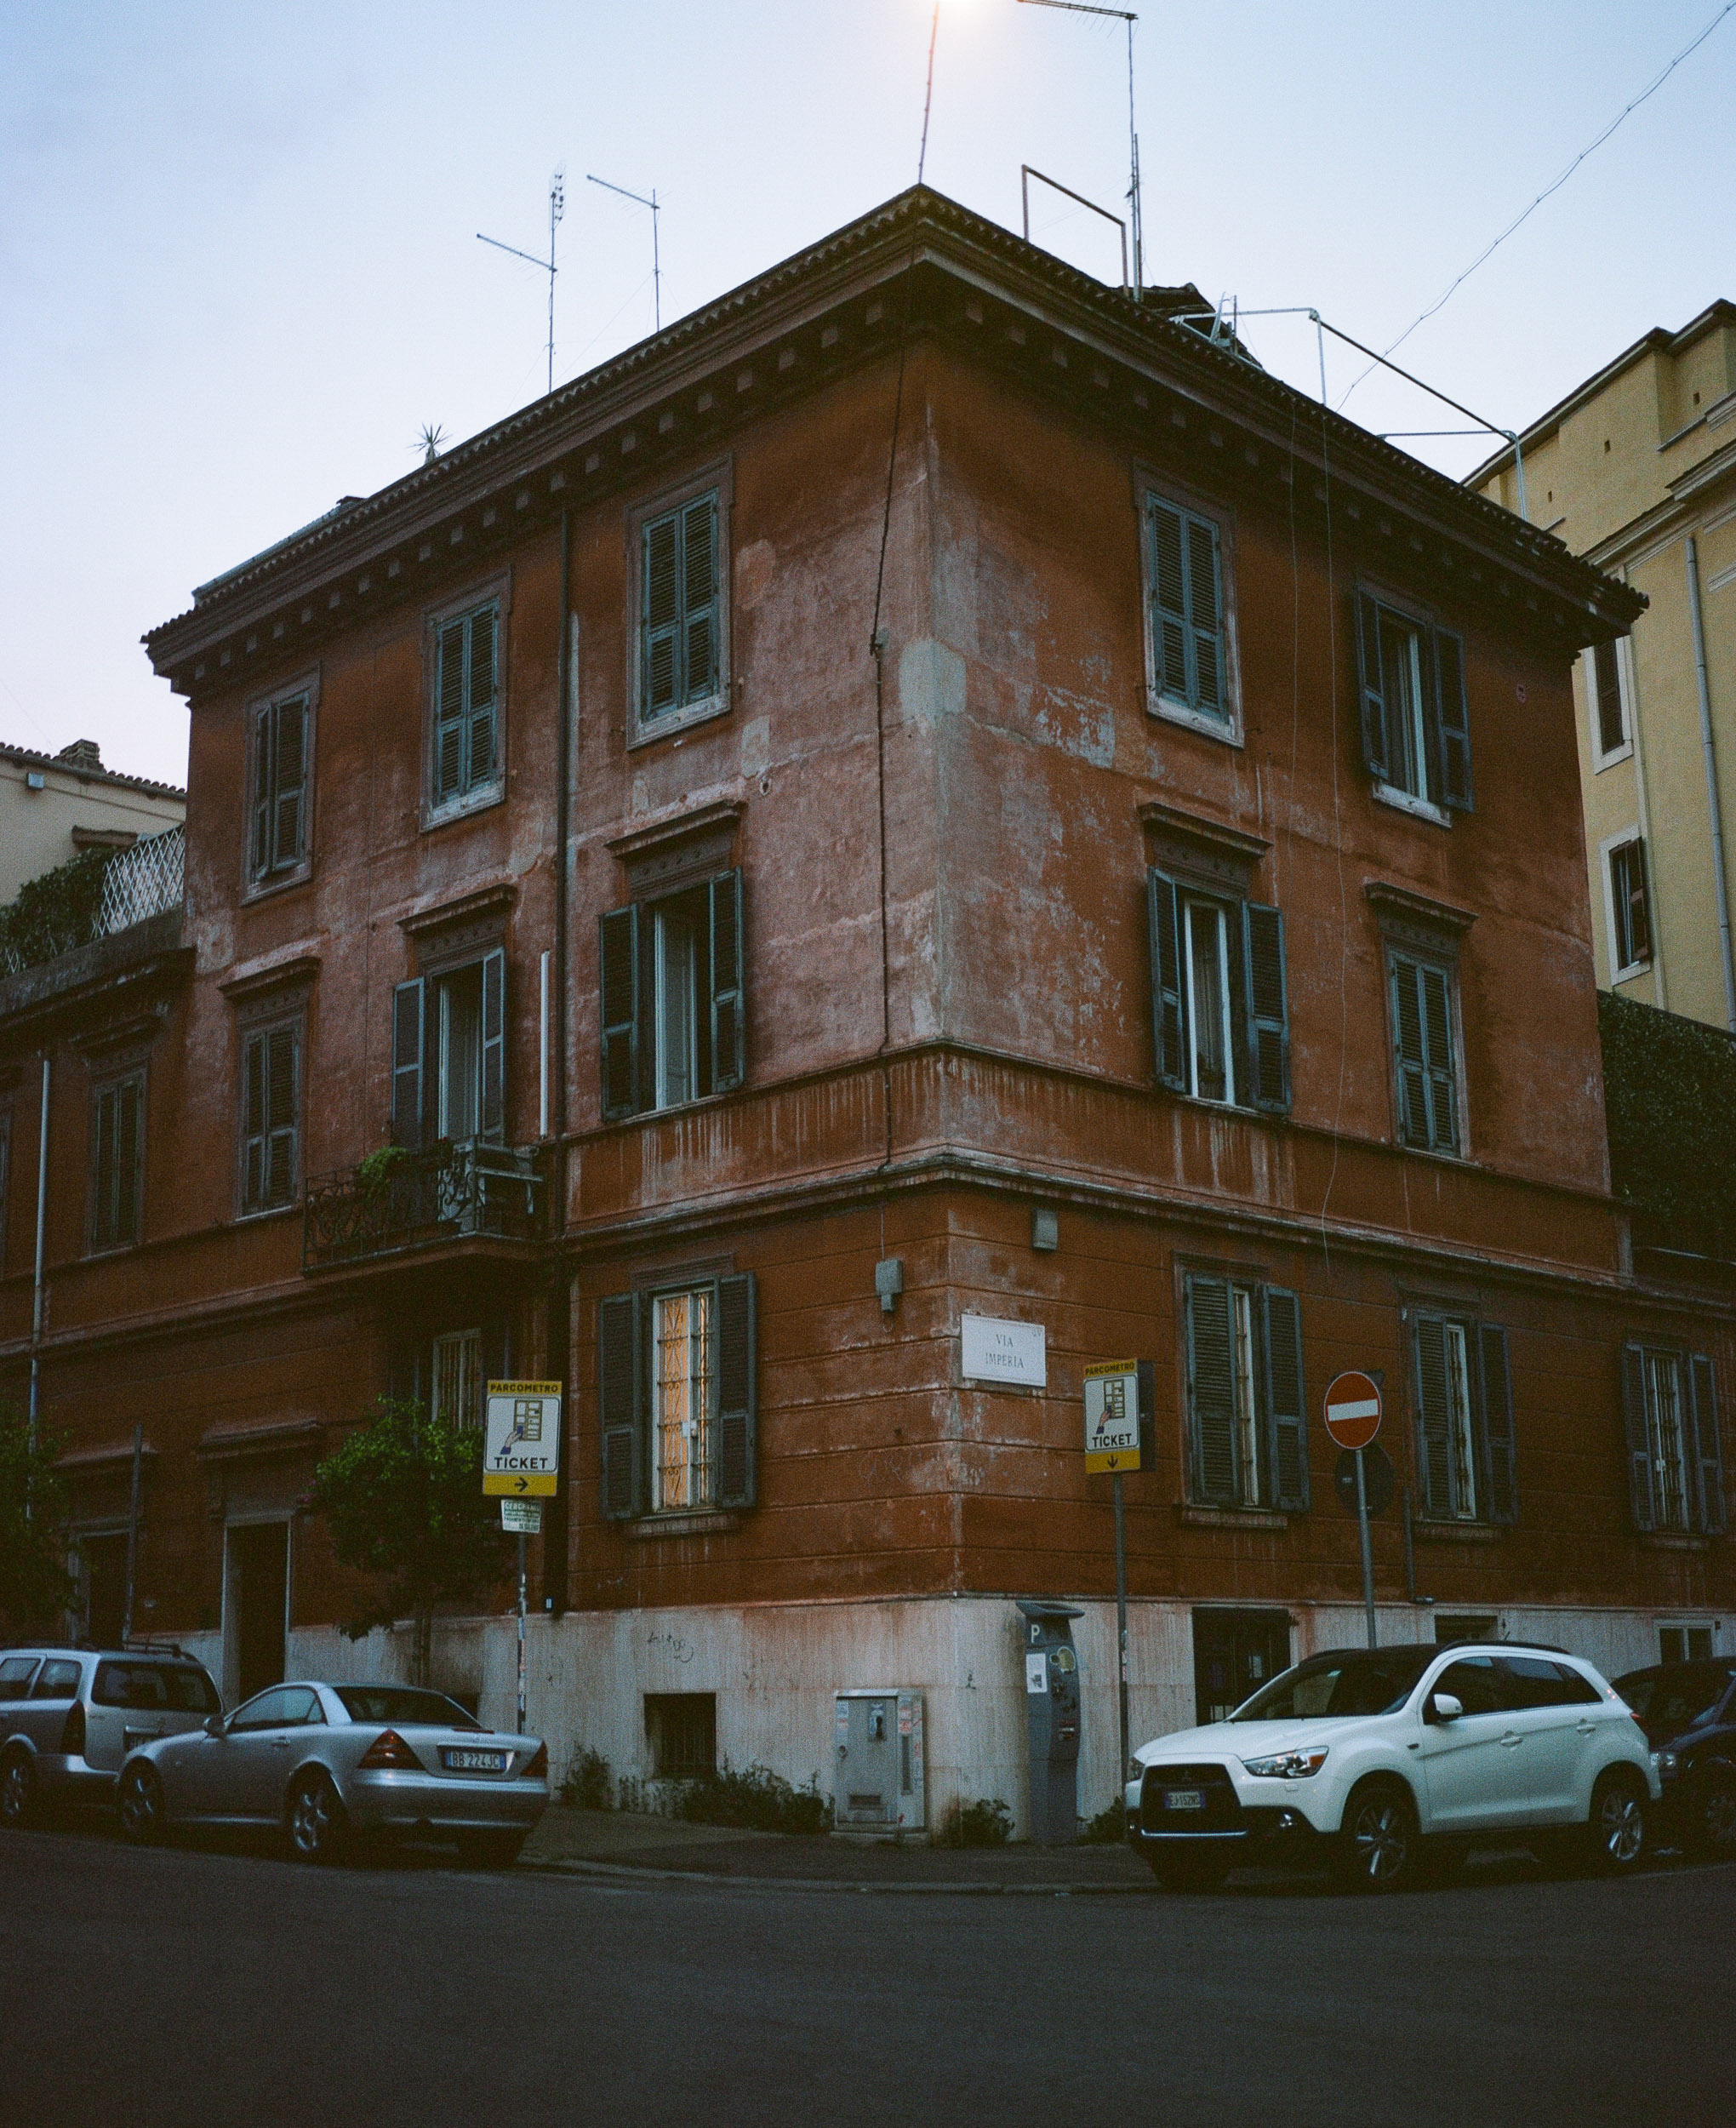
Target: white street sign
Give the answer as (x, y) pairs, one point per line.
(523, 1516)
(522, 1454)
(995, 1351)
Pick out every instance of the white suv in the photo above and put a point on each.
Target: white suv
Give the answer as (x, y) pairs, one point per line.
(1373, 1758)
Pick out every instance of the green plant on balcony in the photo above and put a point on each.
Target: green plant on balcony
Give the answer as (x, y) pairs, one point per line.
(55, 913)
(373, 1172)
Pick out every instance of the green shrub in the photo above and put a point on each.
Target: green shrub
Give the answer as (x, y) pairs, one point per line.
(986, 1822)
(375, 1168)
(1107, 1829)
(54, 914)
(1670, 1094)
(757, 1800)
(588, 1784)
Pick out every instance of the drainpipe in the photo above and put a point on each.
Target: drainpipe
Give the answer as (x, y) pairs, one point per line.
(39, 1296)
(1713, 811)
(554, 1541)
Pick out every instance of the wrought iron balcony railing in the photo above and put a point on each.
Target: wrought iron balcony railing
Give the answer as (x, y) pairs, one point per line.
(420, 1200)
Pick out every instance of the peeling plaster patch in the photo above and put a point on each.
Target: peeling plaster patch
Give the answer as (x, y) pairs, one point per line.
(641, 797)
(753, 567)
(930, 681)
(1078, 725)
(756, 746)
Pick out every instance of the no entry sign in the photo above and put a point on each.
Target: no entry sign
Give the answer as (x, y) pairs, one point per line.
(1353, 1411)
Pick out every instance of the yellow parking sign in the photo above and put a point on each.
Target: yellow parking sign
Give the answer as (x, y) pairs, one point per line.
(521, 1454)
(1112, 1415)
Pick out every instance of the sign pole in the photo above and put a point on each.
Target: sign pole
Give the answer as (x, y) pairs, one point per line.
(521, 1625)
(1120, 1621)
(1368, 1548)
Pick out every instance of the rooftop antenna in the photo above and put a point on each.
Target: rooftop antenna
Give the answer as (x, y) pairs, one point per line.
(656, 269)
(429, 442)
(1117, 14)
(557, 208)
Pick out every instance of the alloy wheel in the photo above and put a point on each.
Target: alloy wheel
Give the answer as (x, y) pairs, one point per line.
(1382, 1842)
(313, 1820)
(1717, 1820)
(141, 1804)
(1621, 1825)
(17, 1790)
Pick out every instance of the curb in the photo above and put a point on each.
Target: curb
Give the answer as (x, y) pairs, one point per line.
(622, 1873)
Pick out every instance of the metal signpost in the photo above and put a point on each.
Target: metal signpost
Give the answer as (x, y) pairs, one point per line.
(1118, 1397)
(522, 1466)
(1353, 1418)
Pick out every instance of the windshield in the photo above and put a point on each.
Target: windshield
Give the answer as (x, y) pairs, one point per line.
(1376, 1682)
(403, 1703)
(1667, 1701)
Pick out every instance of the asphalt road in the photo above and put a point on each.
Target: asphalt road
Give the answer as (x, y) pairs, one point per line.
(182, 1987)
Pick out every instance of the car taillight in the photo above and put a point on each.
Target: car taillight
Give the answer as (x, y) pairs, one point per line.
(538, 1770)
(388, 1749)
(72, 1735)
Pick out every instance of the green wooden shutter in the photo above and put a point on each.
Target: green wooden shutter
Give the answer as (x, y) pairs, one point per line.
(1434, 1415)
(619, 1405)
(1409, 1049)
(736, 1411)
(661, 617)
(1211, 1393)
(262, 764)
(1642, 1490)
(1436, 991)
(129, 1133)
(1605, 675)
(1372, 690)
(1453, 718)
(1268, 1044)
(1168, 1016)
(408, 1015)
(1498, 1446)
(281, 1111)
(482, 690)
(1709, 1459)
(728, 993)
(699, 599)
(102, 1223)
(449, 716)
(289, 785)
(254, 1109)
(494, 1116)
(1287, 1409)
(1205, 603)
(617, 958)
(1169, 628)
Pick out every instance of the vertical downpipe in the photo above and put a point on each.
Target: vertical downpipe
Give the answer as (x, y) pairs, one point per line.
(555, 1539)
(39, 1293)
(1714, 811)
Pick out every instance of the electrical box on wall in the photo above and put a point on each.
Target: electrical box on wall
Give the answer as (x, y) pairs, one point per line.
(879, 1782)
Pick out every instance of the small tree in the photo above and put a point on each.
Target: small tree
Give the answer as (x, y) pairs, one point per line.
(34, 1583)
(403, 1499)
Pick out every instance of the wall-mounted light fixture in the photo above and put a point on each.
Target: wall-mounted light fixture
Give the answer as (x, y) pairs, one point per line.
(1045, 1227)
(888, 1282)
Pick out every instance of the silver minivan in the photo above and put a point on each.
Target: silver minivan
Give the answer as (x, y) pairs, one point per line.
(69, 1716)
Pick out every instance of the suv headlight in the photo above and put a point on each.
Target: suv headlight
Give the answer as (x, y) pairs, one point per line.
(1287, 1765)
(1664, 1761)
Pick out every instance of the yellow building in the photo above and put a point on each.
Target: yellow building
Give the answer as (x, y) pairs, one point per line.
(53, 806)
(1636, 470)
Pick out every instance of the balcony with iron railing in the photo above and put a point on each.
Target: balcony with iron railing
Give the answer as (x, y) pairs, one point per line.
(398, 1203)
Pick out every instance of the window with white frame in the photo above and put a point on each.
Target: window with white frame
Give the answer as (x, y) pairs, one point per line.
(1426, 1072)
(464, 651)
(1630, 906)
(682, 1475)
(1247, 1421)
(271, 1116)
(1605, 702)
(1416, 718)
(1462, 1391)
(1675, 1463)
(1190, 651)
(1220, 1012)
(681, 622)
(282, 749)
(673, 996)
(456, 1380)
(448, 1069)
(677, 1395)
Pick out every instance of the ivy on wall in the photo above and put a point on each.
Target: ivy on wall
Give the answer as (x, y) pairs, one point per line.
(55, 913)
(1670, 1090)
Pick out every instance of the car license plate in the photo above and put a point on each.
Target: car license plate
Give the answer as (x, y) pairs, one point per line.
(1184, 1799)
(467, 1761)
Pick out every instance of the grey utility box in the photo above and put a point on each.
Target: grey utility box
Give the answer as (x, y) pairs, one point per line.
(879, 1782)
(1052, 1705)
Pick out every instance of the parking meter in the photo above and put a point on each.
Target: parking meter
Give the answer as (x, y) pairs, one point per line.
(1052, 1707)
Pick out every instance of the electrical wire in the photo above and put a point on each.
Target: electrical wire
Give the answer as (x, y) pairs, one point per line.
(1686, 51)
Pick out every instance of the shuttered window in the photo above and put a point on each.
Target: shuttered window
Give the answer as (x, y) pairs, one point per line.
(1609, 721)
(281, 768)
(118, 1163)
(448, 1055)
(1415, 707)
(680, 629)
(1422, 1045)
(270, 1108)
(676, 1398)
(1464, 1402)
(1247, 1408)
(1676, 1458)
(1629, 907)
(466, 746)
(1185, 576)
(673, 1004)
(1220, 998)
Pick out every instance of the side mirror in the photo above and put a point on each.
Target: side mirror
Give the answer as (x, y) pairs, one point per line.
(213, 1725)
(1442, 1706)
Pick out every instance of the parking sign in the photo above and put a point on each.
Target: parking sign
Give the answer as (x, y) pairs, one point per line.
(522, 1454)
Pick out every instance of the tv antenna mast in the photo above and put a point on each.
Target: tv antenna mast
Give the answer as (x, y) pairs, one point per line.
(557, 208)
(656, 269)
(1117, 14)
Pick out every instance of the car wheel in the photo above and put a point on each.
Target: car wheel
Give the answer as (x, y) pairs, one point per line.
(315, 1821)
(1714, 1820)
(1618, 1822)
(18, 1790)
(1380, 1847)
(491, 1851)
(141, 1804)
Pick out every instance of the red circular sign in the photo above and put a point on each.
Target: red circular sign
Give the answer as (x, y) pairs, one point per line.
(1353, 1411)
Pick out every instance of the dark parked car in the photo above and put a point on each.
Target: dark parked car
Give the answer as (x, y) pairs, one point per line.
(1688, 1712)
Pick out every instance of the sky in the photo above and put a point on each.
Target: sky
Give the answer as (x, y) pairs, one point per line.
(239, 270)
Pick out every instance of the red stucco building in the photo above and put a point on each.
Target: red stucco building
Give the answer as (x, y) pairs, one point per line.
(926, 791)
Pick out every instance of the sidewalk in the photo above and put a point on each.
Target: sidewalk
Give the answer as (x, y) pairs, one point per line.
(620, 1842)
